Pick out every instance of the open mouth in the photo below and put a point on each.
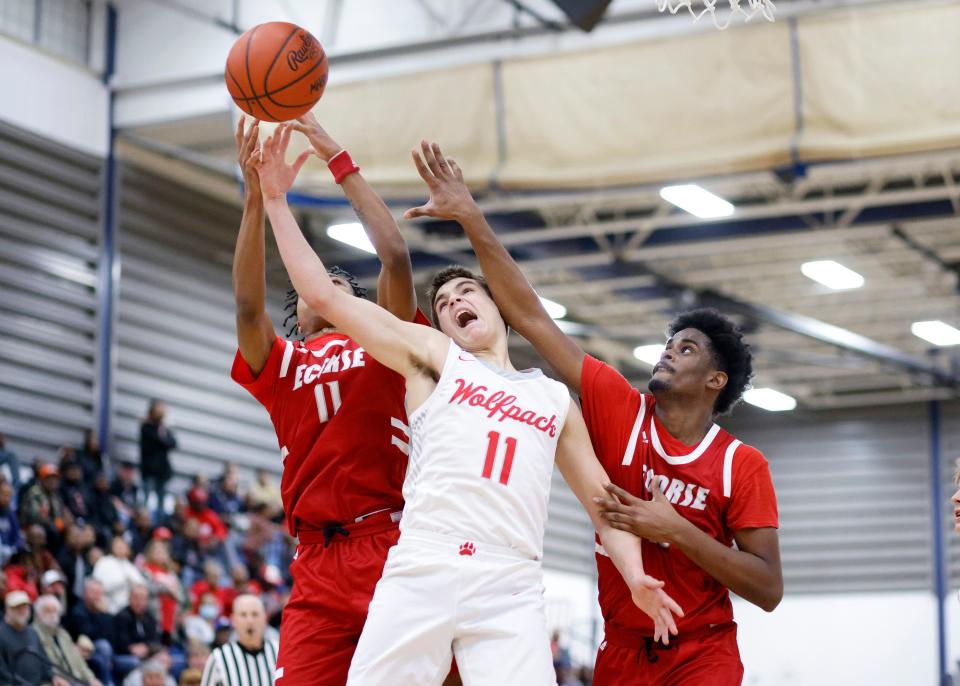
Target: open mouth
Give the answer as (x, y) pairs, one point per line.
(464, 317)
(661, 367)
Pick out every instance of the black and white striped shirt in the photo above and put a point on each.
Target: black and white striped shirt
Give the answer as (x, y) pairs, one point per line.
(233, 665)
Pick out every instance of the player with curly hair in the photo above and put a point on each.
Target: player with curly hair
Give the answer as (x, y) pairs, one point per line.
(340, 421)
(685, 486)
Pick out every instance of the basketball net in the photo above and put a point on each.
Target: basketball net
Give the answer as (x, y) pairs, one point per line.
(764, 8)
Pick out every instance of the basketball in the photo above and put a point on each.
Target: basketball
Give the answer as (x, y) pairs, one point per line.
(276, 71)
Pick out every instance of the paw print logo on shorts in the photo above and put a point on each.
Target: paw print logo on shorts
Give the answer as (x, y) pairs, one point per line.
(467, 548)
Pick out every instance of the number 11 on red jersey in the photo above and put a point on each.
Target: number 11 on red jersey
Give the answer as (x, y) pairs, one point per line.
(493, 442)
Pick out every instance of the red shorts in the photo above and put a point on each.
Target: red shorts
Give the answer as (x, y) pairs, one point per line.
(332, 588)
(703, 657)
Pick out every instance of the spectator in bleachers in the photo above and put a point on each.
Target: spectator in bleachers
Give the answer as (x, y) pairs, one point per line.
(76, 495)
(265, 491)
(59, 647)
(191, 677)
(17, 639)
(103, 512)
(225, 497)
(197, 654)
(212, 583)
(136, 632)
(88, 653)
(41, 558)
(199, 624)
(212, 528)
(164, 585)
(72, 559)
(117, 574)
(156, 442)
(90, 618)
(53, 583)
(90, 456)
(9, 465)
(43, 505)
(186, 552)
(35, 466)
(127, 493)
(154, 672)
(22, 575)
(11, 540)
(3, 584)
(141, 531)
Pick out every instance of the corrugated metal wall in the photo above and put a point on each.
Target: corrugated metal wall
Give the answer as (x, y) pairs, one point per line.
(49, 235)
(854, 493)
(175, 334)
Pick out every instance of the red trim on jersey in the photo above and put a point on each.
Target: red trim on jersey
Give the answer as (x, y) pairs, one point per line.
(695, 487)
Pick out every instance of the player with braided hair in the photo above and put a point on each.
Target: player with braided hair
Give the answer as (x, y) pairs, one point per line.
(340, 422)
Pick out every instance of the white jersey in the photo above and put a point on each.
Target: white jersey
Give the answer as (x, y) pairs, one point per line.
(483, 446)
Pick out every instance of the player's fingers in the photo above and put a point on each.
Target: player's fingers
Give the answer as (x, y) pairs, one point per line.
(250, 140)
(238, 135)
(650, 582)
(415, 212)
(673, 605)
(441, 160)
(300, 160)
(621, 495)
(421, 167)
(455, 168)
(655, 489)
(430, 158)
(285, 137)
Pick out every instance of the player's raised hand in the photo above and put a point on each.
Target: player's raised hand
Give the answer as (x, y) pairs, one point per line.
(449, 196)
(649, 596)
(276, 176)
(248, 153)
(322, 142)
(655, 520)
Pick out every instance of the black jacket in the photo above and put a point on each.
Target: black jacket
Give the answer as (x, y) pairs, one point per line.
(96, 625)
(130, 629)
(155, 445)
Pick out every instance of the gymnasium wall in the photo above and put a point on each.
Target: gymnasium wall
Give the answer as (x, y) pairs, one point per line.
(175, 333)
(50, 209)
(53, 98)
(857, 546)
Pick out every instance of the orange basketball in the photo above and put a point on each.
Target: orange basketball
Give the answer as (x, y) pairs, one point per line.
(276, 71)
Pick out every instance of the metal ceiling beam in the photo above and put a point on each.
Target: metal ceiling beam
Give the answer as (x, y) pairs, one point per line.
(785, 208)
(833, 335)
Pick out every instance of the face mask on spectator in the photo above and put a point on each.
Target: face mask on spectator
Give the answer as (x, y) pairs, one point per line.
(209, 611)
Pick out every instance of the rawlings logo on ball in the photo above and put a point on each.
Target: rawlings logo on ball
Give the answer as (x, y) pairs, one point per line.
(307, 52)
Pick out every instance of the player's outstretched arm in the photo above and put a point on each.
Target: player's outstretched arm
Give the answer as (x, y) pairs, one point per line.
(751, 570)
(395, 288)
(255, 333)
(521, 307)
(404, 347)
(586, 477)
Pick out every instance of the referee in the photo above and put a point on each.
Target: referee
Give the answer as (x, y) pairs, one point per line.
(249, 659)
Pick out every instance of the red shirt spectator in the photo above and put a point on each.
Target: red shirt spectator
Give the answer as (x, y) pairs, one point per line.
(211, 526)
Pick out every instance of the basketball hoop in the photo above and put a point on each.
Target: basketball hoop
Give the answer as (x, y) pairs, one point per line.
(763, 8)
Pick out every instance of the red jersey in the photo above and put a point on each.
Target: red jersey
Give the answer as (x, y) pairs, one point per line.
(341, 425)
(720, 485)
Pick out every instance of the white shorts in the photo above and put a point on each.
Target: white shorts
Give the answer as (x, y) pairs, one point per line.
(484, 605)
